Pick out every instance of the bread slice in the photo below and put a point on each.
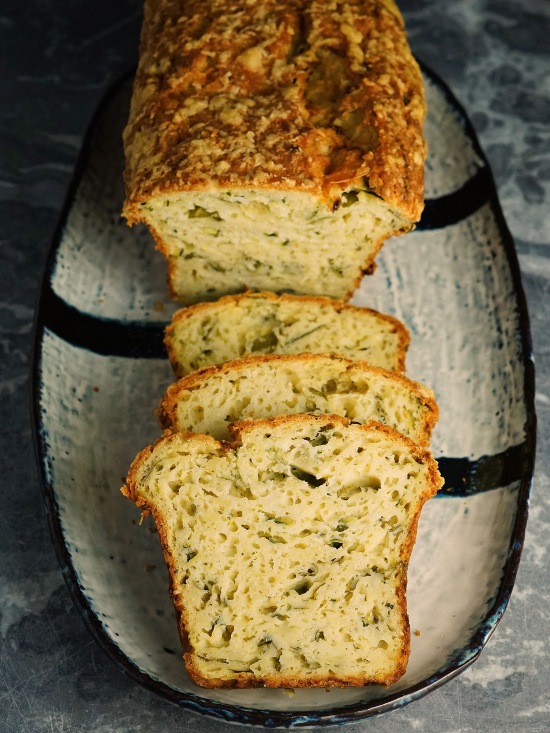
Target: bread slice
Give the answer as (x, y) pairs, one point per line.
(274, 144)
(265, 323)
(288, 549)
(208, 400)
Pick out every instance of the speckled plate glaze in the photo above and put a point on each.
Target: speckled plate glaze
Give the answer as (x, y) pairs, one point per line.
(100, 370)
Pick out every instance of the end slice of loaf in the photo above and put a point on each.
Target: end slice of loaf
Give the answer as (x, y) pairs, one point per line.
(274, 144)
(266, 323)
(288, 549)
(210, 399)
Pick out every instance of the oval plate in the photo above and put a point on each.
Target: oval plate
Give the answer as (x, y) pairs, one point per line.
(100, 369)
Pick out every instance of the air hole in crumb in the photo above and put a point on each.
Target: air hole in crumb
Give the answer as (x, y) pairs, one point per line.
(302, 587)
(268, 609)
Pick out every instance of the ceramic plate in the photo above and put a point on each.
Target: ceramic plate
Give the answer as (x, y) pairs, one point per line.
(100, 370)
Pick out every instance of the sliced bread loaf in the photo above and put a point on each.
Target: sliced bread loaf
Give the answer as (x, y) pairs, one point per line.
(265, 323)
(274, 144)
(208, 400)
(288, 549)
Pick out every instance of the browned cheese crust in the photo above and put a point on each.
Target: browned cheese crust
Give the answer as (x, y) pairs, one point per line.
(303, 95)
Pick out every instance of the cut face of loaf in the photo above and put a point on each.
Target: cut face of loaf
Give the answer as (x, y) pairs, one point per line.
(209, 400)
(265, 323)
(274, 144)
(288, 550)
(225, 242)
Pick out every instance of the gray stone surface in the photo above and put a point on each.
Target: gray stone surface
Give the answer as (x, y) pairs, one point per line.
(57, 61)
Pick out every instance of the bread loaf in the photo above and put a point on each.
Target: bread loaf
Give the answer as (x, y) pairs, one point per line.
(273, 144)
(288, 549)
(208, 400)
(264, 323)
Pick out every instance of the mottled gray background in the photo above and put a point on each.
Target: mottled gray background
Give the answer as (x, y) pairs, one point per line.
(57, 59)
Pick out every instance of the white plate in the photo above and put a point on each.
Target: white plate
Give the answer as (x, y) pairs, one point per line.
(100, 370)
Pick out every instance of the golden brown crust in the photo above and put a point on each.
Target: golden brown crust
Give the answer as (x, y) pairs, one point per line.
(301, 95)
(166, 411)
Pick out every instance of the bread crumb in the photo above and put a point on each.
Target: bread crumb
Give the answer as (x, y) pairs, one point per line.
(263, 490)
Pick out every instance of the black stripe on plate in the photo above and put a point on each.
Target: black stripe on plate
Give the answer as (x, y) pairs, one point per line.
(464, 476)
(107, 337)
(454, 207)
